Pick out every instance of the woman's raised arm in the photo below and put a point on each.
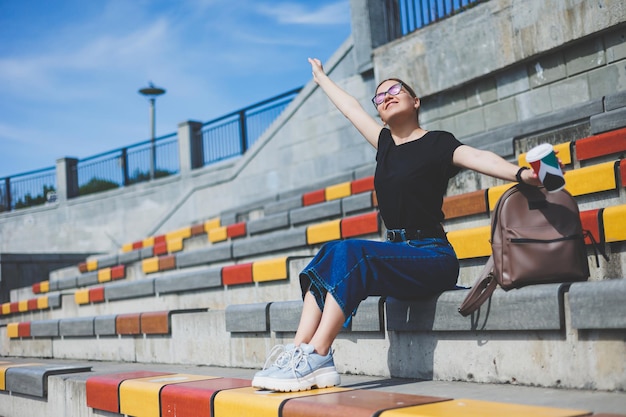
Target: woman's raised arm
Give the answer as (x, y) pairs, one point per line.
(346, 104)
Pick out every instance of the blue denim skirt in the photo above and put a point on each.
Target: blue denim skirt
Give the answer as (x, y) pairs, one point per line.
(353, 269)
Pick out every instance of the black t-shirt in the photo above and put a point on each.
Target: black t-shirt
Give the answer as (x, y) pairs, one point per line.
(411, 179)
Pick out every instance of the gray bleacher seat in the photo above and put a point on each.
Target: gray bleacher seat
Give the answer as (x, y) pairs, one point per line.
(44, 328)
(105, 325)
(147, 252)
(357, 202)
(87, 279)
(77, 326)
(536, 307)
(598, 304)
(270, 242)
(54, 300)
(610, 120)
(285, 315)
(268, 223)
(130, 289)
(188, 280)
(125, 258)
(247, 318)
(283, 205)
(370, 315)
(221, 251)
(33, 379)
(108, 260)
(66, 283)
(315, 212)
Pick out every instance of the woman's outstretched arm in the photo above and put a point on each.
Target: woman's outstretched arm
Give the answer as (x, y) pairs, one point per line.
(346, 104)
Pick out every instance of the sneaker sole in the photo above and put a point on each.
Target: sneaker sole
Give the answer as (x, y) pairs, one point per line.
(321, 378)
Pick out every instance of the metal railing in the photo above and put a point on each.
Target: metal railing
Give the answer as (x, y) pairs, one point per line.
(127, 166)
(225, 137)
(233, 134)
(28, 189)
(415, 14)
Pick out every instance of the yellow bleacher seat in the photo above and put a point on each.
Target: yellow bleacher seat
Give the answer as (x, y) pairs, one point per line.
(150, 265)
(338, 191)
(81, 297)
(211, 224)
(591, 179)
(269, 270)
(147, 242)
(218, 234)
(614, 219)
(323, 232)
(92, 265)
(104, 275)
(564, 154)
(494, 193)
(471, 243)
(175, 244)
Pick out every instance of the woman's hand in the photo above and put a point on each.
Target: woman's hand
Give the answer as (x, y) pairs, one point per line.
(317, 69)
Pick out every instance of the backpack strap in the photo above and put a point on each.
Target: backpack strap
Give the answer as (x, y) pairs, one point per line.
(481, 291)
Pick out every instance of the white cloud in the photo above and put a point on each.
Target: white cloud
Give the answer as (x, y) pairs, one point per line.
(295, 13)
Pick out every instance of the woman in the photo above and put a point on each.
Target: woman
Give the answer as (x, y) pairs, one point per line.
(412, 173)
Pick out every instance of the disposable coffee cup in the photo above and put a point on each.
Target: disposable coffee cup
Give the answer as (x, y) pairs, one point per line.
(544, 162)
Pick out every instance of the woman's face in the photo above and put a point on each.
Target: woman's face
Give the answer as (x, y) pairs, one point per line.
(392, 98)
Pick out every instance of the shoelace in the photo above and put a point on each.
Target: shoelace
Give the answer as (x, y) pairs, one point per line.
(282, 355)
(299, 362)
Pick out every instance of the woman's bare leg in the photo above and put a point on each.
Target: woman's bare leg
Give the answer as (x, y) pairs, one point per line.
(309, 320)
(327, 327)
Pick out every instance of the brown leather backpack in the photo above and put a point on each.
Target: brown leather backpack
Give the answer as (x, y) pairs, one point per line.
(536, 237)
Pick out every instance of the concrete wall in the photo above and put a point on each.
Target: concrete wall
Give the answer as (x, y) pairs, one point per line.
(499, 63)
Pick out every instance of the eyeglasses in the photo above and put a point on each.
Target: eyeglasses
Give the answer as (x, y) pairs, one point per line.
(394, 90)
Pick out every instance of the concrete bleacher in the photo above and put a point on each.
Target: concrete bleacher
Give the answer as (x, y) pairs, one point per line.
(222, 291)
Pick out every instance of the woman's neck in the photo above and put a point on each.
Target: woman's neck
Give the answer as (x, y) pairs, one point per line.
(407, 134)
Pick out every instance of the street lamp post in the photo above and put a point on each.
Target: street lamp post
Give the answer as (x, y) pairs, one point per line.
(152, 92)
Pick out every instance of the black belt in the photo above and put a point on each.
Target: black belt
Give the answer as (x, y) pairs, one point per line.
(400, 235)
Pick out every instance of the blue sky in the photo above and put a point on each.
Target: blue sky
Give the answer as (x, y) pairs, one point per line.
(70, 70)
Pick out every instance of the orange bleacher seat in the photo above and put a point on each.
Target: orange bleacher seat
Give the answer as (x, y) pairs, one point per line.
(360, 225)
(32, 304)
(118, 272)
(314, 197)
(82, 267)
(23, 329)
(191, 399)
(465, 204)
(103, 390)
(363, 185)
(128, 324)
(167, 262)
(590, 220)
(96, 295)
(155, 322)
(160, 248)
(237, 274)
(197, 229)
(599, 145)
(236, 230)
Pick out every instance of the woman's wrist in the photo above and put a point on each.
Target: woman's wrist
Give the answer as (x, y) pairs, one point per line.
(518, 175)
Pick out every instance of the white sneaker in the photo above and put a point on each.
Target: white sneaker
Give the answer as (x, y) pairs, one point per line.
(306, 371)
(279, 357)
